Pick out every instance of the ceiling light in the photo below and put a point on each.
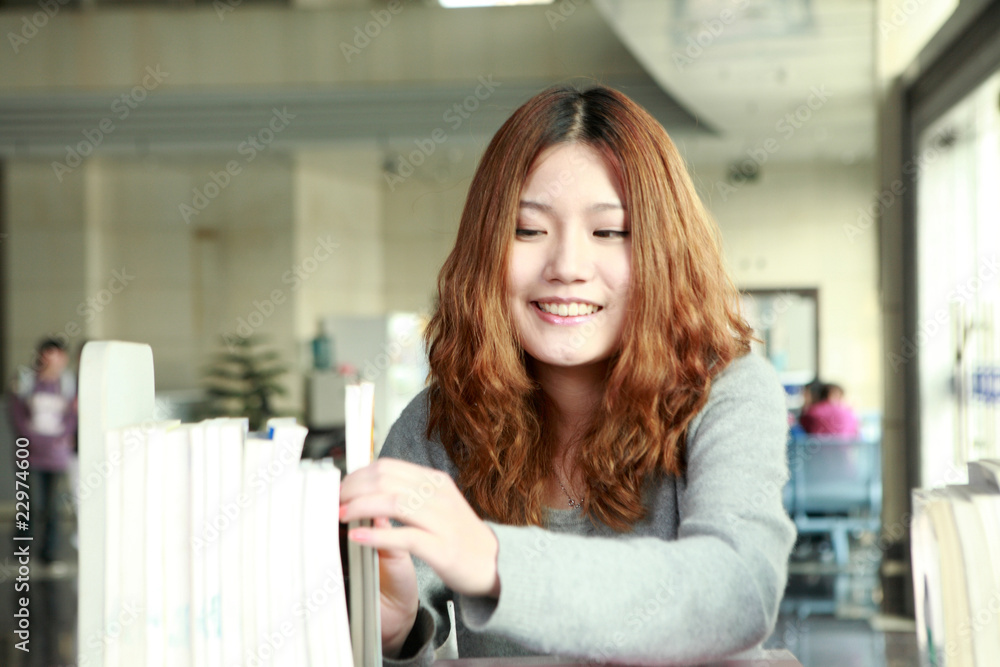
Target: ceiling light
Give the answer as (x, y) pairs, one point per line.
(451, 4)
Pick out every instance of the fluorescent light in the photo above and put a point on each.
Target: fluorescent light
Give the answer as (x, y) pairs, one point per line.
(452, 4)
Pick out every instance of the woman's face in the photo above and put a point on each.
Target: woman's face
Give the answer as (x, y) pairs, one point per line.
(568, 275)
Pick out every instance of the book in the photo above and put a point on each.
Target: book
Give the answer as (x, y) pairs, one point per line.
(285, 543)
(226, 523)
(363, 598)
(116, 391)
(197, 555)
(325, 604)
(113, 535)
(177, 543)
(154, 581)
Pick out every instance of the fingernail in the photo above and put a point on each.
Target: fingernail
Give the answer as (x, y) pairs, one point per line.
(359, 535)
(342, 512)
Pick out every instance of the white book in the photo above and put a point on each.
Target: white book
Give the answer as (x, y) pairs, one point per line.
(263, 453)
(213, 563)
(116, 390)
(366, 634)
(199, 599)
(954, 589)
(132, 547)
(113, 540)
(177, 546)
(982, 590)
(155, 642)
(325, 604)
(248, 554)
(285, 542)
(228, 524)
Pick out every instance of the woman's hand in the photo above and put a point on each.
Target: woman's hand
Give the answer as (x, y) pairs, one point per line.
(440, 527)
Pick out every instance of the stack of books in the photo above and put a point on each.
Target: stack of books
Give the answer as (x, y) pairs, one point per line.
(955, 545)
(222, 547)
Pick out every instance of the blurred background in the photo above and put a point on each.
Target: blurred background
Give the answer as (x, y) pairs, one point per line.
(277, 183)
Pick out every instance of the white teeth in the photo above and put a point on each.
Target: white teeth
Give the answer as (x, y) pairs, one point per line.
(568, 309)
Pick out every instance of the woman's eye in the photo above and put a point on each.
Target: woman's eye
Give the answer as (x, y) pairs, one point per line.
(527, 233)
(611, 233)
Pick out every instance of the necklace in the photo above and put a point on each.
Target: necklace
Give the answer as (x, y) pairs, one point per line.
(573, 504)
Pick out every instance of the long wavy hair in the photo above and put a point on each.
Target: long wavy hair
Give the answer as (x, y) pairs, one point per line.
(682, 326)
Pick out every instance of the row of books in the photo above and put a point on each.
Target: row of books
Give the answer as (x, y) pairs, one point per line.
(222, 548)
(955, 549)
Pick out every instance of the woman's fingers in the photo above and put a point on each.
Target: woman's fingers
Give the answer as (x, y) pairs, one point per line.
(405, 492)
(411, 540)
(386, 474)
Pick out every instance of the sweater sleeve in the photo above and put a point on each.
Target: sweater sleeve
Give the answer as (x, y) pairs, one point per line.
(711, 592)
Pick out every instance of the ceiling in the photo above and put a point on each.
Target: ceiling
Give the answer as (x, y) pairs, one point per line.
(742, 66)
(731, 80)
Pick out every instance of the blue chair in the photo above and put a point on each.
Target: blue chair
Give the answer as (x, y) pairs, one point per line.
(835, 487)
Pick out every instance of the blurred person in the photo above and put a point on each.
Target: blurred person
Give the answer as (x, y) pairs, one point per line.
(830, 414)
(596, 466)
(44, 410)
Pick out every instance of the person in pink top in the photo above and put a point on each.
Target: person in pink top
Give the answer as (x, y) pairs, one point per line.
(830, 415)
(43, 408)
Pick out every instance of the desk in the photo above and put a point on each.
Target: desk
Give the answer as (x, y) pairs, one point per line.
(759, 659)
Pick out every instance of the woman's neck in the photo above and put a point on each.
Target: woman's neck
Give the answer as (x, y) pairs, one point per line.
(574, 394)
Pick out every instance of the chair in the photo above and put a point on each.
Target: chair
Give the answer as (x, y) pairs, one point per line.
(835, 487)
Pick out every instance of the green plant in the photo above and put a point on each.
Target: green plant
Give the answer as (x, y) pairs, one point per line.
(244, 380)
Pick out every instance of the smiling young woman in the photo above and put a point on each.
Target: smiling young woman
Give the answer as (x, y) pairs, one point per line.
(594, 427)
(680, 322)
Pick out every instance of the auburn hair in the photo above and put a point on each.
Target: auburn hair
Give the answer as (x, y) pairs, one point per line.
(682, 324)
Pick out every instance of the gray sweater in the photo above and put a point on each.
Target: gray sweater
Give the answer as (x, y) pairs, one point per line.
(701, 577)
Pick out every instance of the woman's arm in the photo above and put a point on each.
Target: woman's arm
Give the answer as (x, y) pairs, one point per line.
(713, 591)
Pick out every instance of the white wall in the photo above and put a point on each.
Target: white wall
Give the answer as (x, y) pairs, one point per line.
(421, 221)
(791, 228)
(46, 269)
(338, 202)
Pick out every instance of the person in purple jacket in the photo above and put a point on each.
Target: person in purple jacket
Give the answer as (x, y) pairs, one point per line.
(43, 408)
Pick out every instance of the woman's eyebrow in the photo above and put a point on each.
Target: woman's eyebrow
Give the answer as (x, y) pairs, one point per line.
(596, 208)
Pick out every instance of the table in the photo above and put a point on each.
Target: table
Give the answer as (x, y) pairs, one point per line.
(780, 658)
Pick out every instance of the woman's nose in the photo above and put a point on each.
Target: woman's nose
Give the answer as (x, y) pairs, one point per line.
(569, 259)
